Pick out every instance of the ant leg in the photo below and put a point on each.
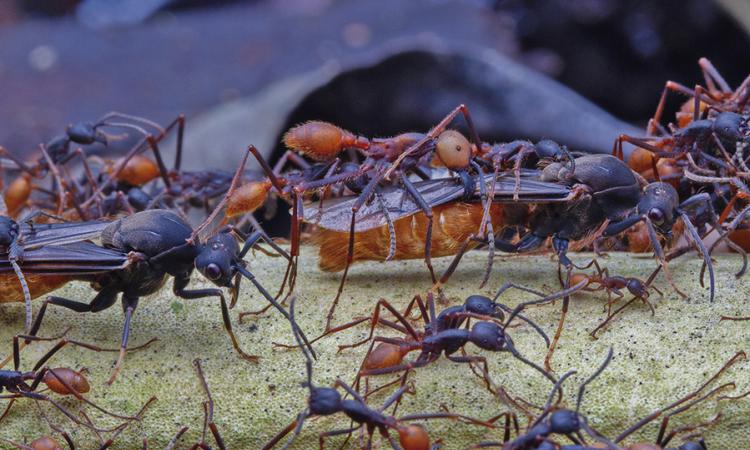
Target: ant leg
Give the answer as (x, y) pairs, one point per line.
(427, 210)
(710, 74)
(210, 406)
(658, 250)
(638, 425)
(64, 341)
(102, 301)
(172, 442)
(259, 287)
(322, 436)
(179, 285)
(561, 323)
(128, 304)
(471, 360)
(382, 303)
(363, 197)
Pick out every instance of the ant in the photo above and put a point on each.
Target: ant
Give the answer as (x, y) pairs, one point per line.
(557, 421)
(58, 151)
(62, 381)
(388, 160)
(601, 280)
(324, 401)
(150, 246)
(443, 334)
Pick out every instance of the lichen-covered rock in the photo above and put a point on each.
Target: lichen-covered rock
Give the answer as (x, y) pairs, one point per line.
(656, 359)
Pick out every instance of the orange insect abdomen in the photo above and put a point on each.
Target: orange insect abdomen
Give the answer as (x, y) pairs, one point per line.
(73, 379)
(321, 141)
(383, 355)
(741, 237)
(17, 194)
(247, 198)
(10, 287)
(452, 225)
(45, 443)
(138, 171)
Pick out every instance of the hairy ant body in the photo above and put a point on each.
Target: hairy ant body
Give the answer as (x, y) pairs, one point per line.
(442, 334)
(142, 251)
(323, 401)
(557, 421)
(62, 381)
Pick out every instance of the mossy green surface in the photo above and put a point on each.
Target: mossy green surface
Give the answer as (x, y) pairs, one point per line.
(656, 359)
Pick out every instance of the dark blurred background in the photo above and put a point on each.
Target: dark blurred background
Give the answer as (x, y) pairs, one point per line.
(243, 70)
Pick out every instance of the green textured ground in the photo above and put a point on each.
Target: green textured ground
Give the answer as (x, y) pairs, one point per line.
(657, 359)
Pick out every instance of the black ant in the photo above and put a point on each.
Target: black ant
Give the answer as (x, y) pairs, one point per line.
(146, 248)
(323, 401)
(557, 421)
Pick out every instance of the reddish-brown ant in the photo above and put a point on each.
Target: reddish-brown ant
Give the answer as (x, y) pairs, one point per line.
(442, 334)
(323, 401)
(62, 381)
(388, 159)
(602, 281)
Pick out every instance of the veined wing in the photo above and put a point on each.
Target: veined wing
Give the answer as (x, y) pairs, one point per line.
(336, 213)
(78, 258)
(37, 235)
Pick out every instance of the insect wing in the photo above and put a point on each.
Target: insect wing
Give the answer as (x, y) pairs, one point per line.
(33, 236)
(336, 213)
(78, 258)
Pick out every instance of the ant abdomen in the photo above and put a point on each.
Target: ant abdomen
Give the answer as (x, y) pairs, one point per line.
(321, 141)
(45, 443)
(138, 171)
(453, 149)
(413, 437)
(56, 380)
(248, 198)
(383, 355)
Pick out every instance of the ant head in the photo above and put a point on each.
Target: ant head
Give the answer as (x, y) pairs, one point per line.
(549, 149)
(324, 401)
(479, 304)
(413, 437)
(8, 231)
(637, 288)
(564, 421)
(84, 133)
(728, 126)
(488, 336)
(453, 149)
(700, 445)
(658, 203)
(217, 258)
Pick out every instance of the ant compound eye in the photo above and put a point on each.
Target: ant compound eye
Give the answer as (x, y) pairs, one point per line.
(656, 215)
(213, 272)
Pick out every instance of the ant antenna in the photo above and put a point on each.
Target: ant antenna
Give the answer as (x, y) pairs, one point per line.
(298, 338)
(695, 237)
(272, 301)
(549, 298)
(598, 372)
(556, 388)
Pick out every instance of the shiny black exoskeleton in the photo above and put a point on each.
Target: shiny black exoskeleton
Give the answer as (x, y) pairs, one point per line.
(604, 188)
(156, 244)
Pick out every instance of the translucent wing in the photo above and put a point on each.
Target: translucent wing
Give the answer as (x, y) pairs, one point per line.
(336, 213)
